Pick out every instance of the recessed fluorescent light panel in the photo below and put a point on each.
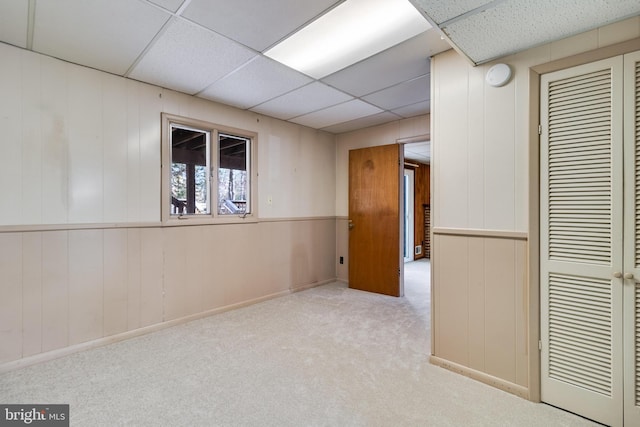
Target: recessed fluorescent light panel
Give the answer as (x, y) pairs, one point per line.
(351, 32)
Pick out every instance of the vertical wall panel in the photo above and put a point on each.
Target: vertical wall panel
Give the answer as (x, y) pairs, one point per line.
(31, 293)
(10, 123)
(475, 161)
(176, 274)
(477, 313)
(11, 301)
(151, 266)
(85, 146)
(31, 212)
(521, 304)
(55, 290)
(133, 150)
(499, 156)
(115, 281)
(150, 109)
(134, 262)
(115, 148)
(86, 305)
(451, 313)
(55, 141)
(499, 308)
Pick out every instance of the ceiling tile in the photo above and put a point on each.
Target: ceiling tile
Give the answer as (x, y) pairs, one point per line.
(364, 122)
(105, 34)
(312, 97)
(340, 113)
(257, 24)
(399, 63)
(440, 11)
(413, 110)
(401, 95)
(189, 58)
(255, 82)
(172, 5)
(13, 22)
(516, 25)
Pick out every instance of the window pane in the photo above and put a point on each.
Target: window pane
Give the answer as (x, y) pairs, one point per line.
(233, 175)
(189, 171)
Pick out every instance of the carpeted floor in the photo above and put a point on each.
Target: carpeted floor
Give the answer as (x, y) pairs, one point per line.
(328, 356)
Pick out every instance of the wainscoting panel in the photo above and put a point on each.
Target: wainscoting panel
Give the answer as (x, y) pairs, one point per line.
(480, 306)
(70, 289)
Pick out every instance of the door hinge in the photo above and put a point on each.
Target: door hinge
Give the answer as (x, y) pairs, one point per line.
(398, 272)
(539, 129)
(540, 345)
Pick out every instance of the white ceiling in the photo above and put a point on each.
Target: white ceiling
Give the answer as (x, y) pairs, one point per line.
(484, 30)
(214, 48)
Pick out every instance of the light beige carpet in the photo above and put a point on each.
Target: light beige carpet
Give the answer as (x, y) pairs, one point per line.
(328, 356)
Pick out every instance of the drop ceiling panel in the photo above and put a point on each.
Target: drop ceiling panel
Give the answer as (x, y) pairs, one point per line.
(257, 24)
(364, 122)
(340, 113)
(172, 5)
(13, 22)
(402, 94)
(257, 81)
(188, 58)
(397, 64)
(413, 109)
(312, 97)
(107, 35)
(530, 24)
(440, 11)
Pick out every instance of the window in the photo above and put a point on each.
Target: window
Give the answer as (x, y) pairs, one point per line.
(207, 170)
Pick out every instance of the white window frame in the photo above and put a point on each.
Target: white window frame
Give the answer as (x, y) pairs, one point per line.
(213, 153)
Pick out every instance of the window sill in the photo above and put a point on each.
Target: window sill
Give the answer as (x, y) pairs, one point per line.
(176, 221)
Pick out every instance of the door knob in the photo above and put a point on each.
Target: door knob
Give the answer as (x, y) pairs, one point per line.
(350, 224)
(617, 275)
(628, 276)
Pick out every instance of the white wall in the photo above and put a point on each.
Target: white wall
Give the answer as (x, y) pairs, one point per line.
(84, 258)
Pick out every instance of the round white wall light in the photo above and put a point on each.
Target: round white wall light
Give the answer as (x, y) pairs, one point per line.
(498, 75)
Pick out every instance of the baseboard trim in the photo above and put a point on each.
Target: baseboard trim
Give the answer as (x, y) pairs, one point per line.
(496, 382)
(101, 342)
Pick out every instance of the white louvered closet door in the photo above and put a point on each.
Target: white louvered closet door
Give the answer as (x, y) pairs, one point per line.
(631, 288)
(581, 226)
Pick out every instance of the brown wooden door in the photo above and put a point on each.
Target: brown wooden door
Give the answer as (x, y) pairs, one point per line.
(375, 212)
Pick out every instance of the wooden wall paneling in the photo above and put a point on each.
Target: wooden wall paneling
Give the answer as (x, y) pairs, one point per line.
(31, 206)
(134, 277)
(115, 148)
(151, 276)
(55, 290)
(176, 272)
(133, 151)
(477, 314)
(116, 263)
(212, 291)
(450, 138)
(85, 146)
(31, 293)
(11, 302)
(522, 307)
(11, 125)
(499, 158)
(452, 299)
(150, 150)
(86, 286)
(55, 140)
(475, 162)
(500, 320)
